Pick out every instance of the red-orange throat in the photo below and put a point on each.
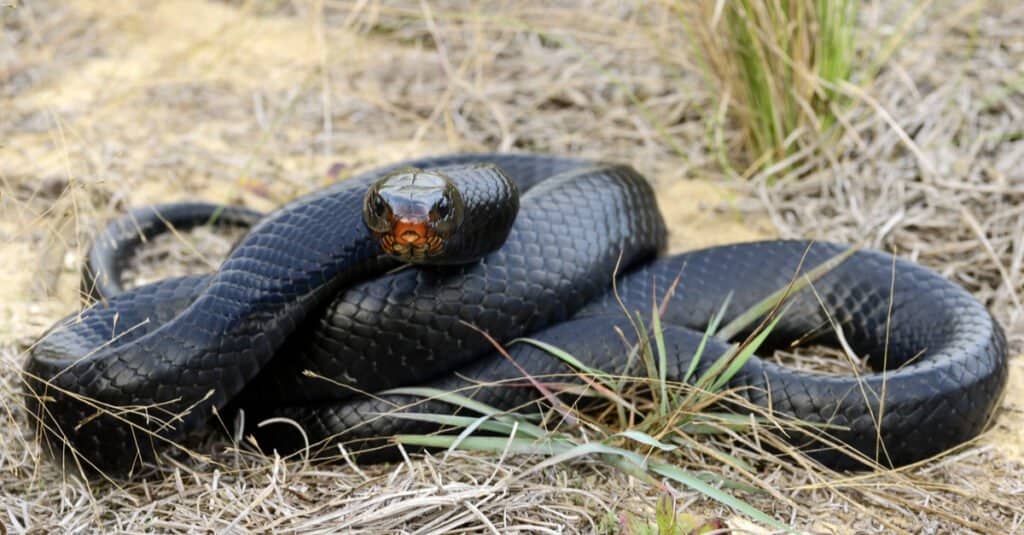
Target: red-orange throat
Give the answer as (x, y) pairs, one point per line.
(411, 239)
(410, 234)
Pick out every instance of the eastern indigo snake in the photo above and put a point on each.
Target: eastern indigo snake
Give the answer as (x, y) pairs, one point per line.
(307, 289)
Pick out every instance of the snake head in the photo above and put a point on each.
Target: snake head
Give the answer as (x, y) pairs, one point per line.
(412, 213)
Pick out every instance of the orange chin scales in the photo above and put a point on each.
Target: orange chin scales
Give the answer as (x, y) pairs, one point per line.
(410, 234)
(411, 239)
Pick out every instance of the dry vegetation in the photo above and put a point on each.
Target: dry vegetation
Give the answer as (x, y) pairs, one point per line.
(112, 104)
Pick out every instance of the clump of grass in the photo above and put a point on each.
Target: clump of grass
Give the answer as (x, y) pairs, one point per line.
(644, 420)
(656, 419)
(777, 64)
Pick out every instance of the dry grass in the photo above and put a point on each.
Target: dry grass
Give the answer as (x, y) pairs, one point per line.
(111, 104)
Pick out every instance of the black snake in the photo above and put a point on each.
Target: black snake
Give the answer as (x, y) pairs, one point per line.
(308, 289)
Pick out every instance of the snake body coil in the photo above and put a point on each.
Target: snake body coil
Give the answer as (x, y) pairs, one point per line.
(306, 289)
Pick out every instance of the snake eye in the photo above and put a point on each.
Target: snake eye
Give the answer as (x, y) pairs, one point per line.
(443, 208)
(378, 205)
(446, 213)
(375, 211)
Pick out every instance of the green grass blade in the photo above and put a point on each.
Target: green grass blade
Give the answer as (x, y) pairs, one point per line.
(708, 333)
(689, 443)
(645, 349)
(713, 422)
(445, 396)
(764, 306)
(465, 402)
(724, 482)
(568, 358)
(716, 368)
(471, 428)
(646, 439)
(484, 423)
(583, 450)
(523, 446)
(698, 428)
(595, 381)
(745, 353)
(681, 476)
(659, 341)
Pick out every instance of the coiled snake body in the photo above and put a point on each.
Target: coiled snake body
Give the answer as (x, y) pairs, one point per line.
(307, 289)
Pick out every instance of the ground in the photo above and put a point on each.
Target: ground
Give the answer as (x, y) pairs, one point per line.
(107, 105)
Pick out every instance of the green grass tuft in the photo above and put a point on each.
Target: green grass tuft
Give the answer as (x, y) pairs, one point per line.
(777, 64)
(645, 422)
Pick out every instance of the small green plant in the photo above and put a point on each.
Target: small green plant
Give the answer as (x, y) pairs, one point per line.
(667, 521)
(777, 64)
